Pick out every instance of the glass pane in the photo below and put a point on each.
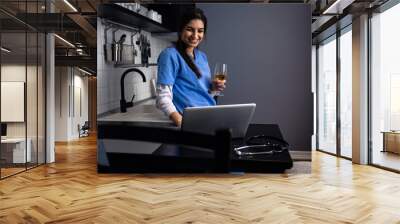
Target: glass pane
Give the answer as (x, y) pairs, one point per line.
(22, 63)
(31, 101)
(385, 82)
(346, 94)
(327, 97)
(41, 99)
(13, 87)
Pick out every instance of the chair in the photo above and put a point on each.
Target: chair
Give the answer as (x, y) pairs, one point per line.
(84, 130)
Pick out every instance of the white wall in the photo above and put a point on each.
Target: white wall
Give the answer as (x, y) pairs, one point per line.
(108, 77)
(33, 126)
(17, 72)
(68, 83)
(80, 109)
(13, 72)
(61, 103)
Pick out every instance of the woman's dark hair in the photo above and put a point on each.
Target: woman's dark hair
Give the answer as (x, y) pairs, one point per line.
(180, 45)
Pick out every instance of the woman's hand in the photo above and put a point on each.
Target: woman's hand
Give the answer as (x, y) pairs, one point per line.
(218, 85)
(176, 118)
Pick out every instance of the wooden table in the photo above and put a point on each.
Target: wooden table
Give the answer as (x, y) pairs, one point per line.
(391, 141)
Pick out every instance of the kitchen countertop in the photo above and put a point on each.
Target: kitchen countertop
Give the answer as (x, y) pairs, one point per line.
(143, 112)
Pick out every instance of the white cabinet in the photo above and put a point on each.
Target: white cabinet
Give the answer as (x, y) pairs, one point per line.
(16, 147)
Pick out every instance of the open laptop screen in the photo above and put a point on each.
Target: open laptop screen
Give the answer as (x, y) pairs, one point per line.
(208, 119)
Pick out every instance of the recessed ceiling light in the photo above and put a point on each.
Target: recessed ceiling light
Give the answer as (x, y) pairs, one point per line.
(338, 6)
(5, 50)
(70, 5)
(84, 71)
(64, 40)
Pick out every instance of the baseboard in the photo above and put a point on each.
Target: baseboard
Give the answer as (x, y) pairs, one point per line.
(300, 155)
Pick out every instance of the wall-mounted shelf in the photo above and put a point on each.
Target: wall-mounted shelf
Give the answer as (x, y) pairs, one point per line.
(127, 17)
(134, 65)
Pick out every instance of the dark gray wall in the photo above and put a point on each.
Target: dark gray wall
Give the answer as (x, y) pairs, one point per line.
(268, 51)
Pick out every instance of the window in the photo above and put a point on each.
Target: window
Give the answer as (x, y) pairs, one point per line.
(333, 137)
(385, 87)
(327, 95)
(346, 93)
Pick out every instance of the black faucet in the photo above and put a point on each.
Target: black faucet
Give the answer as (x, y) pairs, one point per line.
(123, 102)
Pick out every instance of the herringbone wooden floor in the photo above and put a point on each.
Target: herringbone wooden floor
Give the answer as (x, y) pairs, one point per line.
(71, 191)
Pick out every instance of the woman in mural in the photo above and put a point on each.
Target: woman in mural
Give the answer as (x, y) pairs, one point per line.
(184, 78)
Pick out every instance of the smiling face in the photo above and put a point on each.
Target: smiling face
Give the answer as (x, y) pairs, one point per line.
(193, 33)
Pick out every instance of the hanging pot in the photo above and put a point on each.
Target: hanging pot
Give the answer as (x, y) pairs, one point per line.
(116, 50)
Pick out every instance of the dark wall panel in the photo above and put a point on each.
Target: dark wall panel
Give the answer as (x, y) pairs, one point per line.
(268, 51)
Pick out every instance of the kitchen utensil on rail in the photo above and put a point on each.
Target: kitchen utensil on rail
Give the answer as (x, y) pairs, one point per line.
(145, 50)
(117, 48)
(122, 39)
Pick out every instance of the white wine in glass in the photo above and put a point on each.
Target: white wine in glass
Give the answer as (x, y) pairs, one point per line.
(220, 74)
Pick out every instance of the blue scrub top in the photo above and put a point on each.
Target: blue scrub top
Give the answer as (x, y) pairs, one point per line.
(187, 89)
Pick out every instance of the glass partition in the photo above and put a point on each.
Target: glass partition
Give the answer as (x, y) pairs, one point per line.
(385, 88)
(22, 89)
(13, 105)
(31, 100)
(327, 95)
(346, 93)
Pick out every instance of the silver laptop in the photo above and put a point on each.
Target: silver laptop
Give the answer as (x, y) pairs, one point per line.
(208, 119)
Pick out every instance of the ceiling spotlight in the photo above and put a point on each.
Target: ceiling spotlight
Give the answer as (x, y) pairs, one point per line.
(65, 41)
(337, 7)
(70, 5)
(84, 71)
(5, 49)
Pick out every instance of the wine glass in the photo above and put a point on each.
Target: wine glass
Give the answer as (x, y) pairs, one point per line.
(220, 74)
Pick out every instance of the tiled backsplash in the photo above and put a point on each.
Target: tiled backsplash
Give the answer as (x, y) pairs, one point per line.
(108, 76)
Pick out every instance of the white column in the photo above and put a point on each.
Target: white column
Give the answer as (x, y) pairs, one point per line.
(50, 101)
(360, 90)
(314, 92)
